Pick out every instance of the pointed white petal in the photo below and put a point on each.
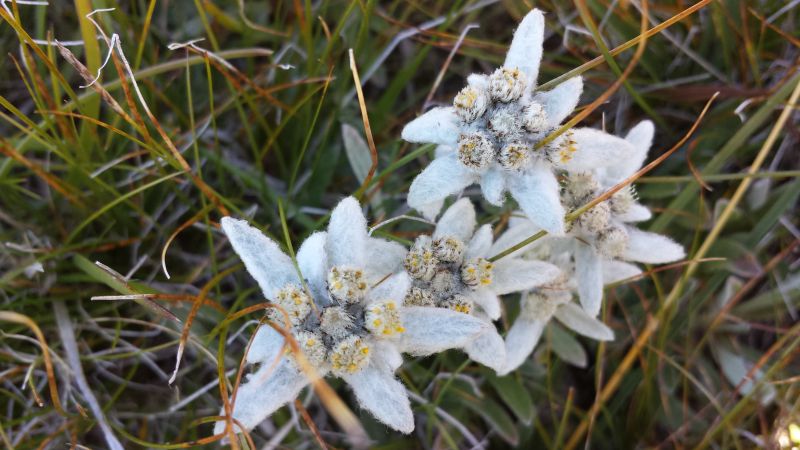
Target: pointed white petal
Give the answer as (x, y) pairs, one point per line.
(380, 393)
(430, 210)
(614, 271)
(262, 257)
(488, 301)
(525, 52)
(493, 186)
(574, 317)
(515, 275)
(521, 339)
(458, 221)
(347, 235)
(512, 236)
(443, 150)
(263, 393)
(383, 258)
(392, 288)
(561, 101)
(488, 349)
(636, 213)
(432, 330)
(536, 192)
(596, 148)
(480, 244)
(443, 177)
(266, 346)
(589, 274)
(437, 126)
(651, 248)
(641, 136)
(313, 263)
(385, 356)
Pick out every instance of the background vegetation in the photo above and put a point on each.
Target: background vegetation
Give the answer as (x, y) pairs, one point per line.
(261, 119)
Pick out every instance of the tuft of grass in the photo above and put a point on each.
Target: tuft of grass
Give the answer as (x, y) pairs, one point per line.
(106, 189)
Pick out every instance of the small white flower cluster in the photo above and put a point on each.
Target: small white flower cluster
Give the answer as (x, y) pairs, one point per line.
(353, 304)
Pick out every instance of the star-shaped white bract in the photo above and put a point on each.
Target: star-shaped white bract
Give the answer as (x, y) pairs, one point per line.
(451, 271)
(490, 136)
(606, 232)
(348, 322)
(553, 300)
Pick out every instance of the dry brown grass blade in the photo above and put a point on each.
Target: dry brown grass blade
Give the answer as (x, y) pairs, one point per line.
(193, 312)
(621, 48)
(373, 152)
(88, 78)
(307, 419)
(11, 316)
(653, 324)
(177, 231)
(446, 64)
(51, 181)
(641, 45)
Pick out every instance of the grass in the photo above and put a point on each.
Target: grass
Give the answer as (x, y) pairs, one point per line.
(105, 189)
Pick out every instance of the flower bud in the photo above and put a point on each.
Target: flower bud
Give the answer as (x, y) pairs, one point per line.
(294, 301)
(535, 118)
(347, 284)
(459, 303)
(612, 242)
(471, 103)
(312, 347)
(448, 249)
(505, 123)
(336, 322)
(475, 150)
(507, 85)
(420, 261)
(382, 318)
(477, 272)
(349, 356)
(417, 296)
(515, 155)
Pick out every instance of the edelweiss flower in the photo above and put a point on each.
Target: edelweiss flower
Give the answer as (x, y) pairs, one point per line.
(540, 305)
(450, 270)
(490, 136)
(604, 233)
(347, 323)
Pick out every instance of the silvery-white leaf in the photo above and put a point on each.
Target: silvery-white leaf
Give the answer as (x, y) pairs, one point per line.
(262, 257)
(567, 347)
(577, 320)
(357, 151)
(380, 393)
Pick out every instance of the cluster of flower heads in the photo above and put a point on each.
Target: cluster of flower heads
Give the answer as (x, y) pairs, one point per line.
(353, 304)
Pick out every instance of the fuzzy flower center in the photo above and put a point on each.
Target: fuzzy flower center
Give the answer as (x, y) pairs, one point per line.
(447, 280)
(383, 318)
(347, 284)
(311, 345)
(502, 123)
(349, 356)
(477, 272)
(294, 301)
(542, 305)
(596, 224)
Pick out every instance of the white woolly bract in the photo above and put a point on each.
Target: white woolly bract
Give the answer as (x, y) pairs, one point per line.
(438, 126)
(536, 192)
(433, 330)
(444, 176)
(263, 393)
(522, 338)
(347, 235)
(516, 275)
(577, 320)
(589, 275)
(488, 349)
(380, 393)
(457, 221)
(651, 248)
(262, 257)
